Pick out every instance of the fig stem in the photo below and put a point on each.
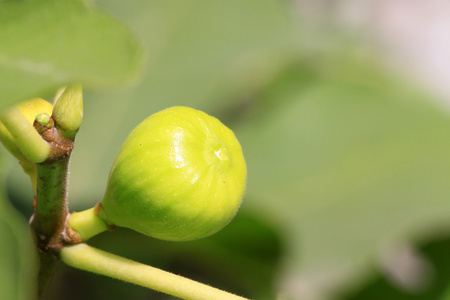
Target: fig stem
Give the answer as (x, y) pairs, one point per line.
(87, 258)
(31, 144)
(50, 213)
(87, 223)
(51, 201)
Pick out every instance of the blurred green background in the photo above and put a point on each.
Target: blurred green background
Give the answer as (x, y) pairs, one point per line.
(348, 166)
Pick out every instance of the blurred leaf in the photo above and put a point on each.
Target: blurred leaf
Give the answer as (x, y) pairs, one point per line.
(347, 161)
(17, 265)
(49, 43)
(380, 286)
(199, 52)
(243, 258)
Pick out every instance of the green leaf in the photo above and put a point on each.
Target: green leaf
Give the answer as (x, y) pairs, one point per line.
(17, 257)
(49, 43)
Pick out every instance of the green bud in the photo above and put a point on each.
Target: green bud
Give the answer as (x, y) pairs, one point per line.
(43, 119)
(68, 111)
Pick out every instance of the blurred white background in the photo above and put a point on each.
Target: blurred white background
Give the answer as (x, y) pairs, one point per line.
(413, 36)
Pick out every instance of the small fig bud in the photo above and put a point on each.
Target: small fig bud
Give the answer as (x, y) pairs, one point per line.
(180, 175)
(43, 119)
(43, 122)
(68, 110)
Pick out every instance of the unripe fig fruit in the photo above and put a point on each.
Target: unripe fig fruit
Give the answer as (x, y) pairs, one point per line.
(180, 175)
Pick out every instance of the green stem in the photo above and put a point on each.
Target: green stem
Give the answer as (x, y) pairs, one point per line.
(48, 221)
(86, 258)
(47, 267)
(51, 200)
(33, 147)
(87, 223)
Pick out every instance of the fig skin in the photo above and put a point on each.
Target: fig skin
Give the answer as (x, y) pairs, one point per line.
(180, 175)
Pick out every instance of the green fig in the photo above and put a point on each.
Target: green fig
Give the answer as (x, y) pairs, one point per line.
(180, 175)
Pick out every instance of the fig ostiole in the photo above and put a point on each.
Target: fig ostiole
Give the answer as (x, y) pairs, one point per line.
(180, 175)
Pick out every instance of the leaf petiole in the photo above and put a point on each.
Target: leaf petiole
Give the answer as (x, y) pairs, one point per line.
(87, 258)
(33, 147)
